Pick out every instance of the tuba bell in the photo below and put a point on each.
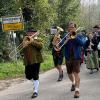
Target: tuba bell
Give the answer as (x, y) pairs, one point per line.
(56, 38)
(59, 29)
(55, 41)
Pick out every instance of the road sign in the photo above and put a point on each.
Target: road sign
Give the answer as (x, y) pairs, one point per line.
(13, 26)
(12, 23)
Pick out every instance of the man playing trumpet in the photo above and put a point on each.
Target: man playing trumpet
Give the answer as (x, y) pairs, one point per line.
(32, 58)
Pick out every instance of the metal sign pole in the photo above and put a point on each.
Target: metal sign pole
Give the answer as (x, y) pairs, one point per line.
(14, 39)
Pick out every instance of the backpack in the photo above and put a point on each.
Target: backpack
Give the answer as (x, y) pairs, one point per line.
(83, 38)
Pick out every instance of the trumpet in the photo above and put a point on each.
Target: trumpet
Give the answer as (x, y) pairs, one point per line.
(27, 40)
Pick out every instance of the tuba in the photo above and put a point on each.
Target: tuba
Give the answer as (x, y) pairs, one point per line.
(57, 38)
(55, 41)
(59, 29)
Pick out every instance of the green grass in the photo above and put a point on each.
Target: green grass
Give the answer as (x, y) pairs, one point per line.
(47, 64)
(16, 69)
(11, 69)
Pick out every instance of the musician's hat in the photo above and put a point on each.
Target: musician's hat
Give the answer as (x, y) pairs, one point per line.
(31, 30)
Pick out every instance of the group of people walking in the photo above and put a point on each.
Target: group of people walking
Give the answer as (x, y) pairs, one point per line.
(72, 52)
(92, 50)
(76, 48)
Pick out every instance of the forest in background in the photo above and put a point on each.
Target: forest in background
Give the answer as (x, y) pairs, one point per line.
(44, 14)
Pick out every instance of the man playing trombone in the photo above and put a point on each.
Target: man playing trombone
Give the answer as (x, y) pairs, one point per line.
(32, 58)
(73, 58)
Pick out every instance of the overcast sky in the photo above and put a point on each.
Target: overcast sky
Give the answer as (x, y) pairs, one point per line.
(87, 2)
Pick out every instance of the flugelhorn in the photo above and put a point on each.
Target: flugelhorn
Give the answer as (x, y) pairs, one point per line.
(21, 46)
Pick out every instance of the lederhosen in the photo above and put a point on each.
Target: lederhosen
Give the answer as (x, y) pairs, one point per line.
(57, 57)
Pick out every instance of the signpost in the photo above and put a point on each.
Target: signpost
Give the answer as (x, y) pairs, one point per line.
(12, 23)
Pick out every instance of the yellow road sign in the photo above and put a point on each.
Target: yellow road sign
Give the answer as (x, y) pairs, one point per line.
(12, 23)
(13, 26)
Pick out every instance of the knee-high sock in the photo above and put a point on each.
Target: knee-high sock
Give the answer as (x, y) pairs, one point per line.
(36, 85)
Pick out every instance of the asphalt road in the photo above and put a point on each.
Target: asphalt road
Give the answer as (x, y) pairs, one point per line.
(50, 89)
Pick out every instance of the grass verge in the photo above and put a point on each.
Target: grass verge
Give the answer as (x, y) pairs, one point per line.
(16, 69)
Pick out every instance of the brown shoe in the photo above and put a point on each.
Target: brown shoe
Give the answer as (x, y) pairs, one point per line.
(77, 94)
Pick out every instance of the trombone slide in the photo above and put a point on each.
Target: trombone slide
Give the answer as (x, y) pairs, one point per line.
(64, 39)
(19, 48)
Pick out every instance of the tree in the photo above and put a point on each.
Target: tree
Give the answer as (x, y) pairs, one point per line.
(67, 11)
(7, 9)
(42, 13)
(90, 13)
(27, 14)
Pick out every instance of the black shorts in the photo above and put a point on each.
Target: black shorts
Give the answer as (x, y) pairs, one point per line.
(32, 71)
(57, 60)
(73, 66)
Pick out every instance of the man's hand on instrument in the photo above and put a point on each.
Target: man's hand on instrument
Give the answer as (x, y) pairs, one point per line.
(25, 44)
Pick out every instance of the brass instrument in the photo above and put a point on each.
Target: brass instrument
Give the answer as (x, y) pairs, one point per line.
(59, 29)
(57, 38)
(65, 39)
(56, 30)
(27, 40)
(55, 41)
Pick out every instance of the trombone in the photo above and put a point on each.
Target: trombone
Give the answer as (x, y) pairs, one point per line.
(64, 38)
(27, 40)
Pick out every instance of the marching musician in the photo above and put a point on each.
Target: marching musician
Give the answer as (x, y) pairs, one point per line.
(57, 53)
(32, 47)
(73, 58)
